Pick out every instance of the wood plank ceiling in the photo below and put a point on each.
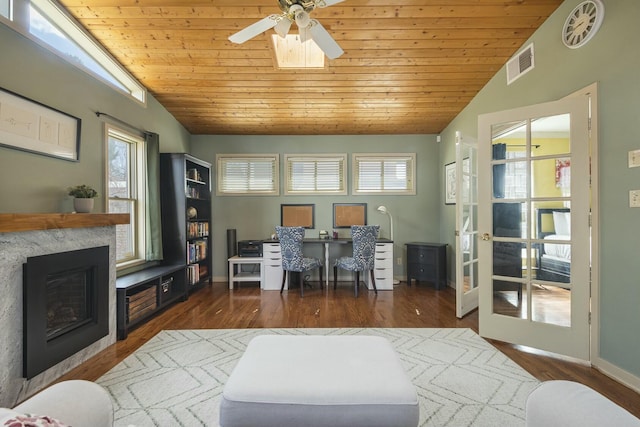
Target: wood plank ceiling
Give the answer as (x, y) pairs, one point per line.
(409, 66)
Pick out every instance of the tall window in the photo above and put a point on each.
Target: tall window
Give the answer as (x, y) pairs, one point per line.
(242, 174)
(384, 174)
(126, 183)
(48, 24)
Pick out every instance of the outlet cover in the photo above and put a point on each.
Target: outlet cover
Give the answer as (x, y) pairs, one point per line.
(634, 199)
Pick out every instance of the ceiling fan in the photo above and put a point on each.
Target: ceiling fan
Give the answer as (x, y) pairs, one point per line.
(295, 11)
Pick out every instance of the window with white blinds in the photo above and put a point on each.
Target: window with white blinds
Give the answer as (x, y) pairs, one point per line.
(316, 174)
(243, 174)
(384, 174)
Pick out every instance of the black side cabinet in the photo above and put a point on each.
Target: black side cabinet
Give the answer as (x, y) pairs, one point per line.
(427, 262)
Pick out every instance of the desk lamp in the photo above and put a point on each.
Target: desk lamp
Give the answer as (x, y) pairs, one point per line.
(383, 210)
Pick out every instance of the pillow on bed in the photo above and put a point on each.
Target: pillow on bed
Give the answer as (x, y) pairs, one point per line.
(562, 223)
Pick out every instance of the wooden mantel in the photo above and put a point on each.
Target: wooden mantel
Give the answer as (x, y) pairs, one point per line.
(50, 221)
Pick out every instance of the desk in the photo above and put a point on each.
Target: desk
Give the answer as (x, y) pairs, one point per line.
(343, 241)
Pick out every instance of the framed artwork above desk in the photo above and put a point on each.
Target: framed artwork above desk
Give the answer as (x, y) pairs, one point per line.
(300, 215)
(347, 214)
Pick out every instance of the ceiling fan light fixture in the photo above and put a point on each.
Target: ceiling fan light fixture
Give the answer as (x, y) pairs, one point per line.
(282, 27)
(302, 19)
(298, 11)
(305, 34)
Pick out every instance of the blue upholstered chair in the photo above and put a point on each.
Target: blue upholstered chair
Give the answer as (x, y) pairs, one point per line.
(292, 258)
(364, 250)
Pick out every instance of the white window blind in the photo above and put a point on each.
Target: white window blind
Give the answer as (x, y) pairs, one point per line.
(316, 174)
(387, 174)
(238, 174)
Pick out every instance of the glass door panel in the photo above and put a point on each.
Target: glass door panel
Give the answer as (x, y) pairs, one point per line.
(467, 278)
(527, 203)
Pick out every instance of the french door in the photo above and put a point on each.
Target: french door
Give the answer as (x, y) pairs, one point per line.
(534, 245)
(466, 225)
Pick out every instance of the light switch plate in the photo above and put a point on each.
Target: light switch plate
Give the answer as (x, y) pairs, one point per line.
(634, 158)
(634, 199)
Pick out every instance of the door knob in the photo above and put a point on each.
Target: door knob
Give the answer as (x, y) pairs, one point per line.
(486, 236)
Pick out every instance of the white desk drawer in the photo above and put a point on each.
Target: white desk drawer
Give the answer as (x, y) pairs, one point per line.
(383, 283)
(272, 278)
(383, 263)
(271, 248)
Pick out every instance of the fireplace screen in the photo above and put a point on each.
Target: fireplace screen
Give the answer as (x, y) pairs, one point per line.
(66, 305)
(68, 301)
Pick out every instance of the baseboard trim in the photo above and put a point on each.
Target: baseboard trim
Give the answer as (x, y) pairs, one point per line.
(617, 373)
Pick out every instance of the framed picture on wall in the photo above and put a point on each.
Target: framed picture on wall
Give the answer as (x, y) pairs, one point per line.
(450, 183)
(347, 214)
(30, 126)
(298, 215)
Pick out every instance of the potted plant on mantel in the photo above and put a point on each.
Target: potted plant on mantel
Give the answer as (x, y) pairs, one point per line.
(83, 198)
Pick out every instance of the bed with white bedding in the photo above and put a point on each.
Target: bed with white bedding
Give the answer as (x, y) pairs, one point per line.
(554, 255)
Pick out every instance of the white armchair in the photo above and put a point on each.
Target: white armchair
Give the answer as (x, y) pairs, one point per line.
(571, 404)
(76, 403)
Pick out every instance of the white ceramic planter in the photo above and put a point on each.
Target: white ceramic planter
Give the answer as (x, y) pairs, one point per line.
(83, 205)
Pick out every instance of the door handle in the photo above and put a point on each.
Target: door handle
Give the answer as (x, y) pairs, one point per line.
(486, 237)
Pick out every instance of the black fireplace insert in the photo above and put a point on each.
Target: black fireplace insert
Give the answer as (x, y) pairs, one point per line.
(66, 305)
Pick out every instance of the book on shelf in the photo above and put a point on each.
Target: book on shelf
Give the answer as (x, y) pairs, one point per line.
(193, 274)
(198, 229)
(196, 251)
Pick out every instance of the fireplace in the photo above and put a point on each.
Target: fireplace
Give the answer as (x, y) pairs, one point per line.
(66, 305)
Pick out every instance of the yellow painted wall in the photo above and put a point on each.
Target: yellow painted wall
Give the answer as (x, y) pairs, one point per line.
(544, 171)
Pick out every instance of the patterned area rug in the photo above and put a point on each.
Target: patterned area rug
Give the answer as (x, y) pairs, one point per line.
(176, 379)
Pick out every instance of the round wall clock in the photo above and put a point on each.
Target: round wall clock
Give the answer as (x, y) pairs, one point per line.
(582, 23)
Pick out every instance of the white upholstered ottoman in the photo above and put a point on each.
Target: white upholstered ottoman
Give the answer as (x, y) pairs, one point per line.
(293, 380)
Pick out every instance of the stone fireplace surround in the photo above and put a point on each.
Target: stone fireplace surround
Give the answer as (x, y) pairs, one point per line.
(22, 236)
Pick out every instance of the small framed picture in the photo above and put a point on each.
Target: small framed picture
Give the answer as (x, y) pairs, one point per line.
(450, 184)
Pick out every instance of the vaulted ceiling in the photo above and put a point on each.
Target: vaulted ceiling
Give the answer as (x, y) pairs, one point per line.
(409, 67)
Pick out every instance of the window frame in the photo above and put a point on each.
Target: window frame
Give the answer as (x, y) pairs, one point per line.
(59, 18)
(410, 178)
(318, 159)
(138, 180)
(220, 179)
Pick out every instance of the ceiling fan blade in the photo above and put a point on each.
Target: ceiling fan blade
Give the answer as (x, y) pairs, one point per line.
(325, 3)
(324, 40)
(254, 29)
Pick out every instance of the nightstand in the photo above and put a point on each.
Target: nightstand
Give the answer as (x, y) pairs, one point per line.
(427, 262)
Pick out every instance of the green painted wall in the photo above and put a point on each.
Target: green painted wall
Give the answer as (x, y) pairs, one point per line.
(612, 59)
(416, 218)
(35, 183)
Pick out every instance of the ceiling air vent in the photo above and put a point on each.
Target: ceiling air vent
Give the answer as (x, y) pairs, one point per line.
(520, 64)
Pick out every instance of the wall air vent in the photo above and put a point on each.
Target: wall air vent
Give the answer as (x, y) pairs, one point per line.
(520, 64)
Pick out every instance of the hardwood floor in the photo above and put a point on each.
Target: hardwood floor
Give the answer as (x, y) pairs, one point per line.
(418, 306)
